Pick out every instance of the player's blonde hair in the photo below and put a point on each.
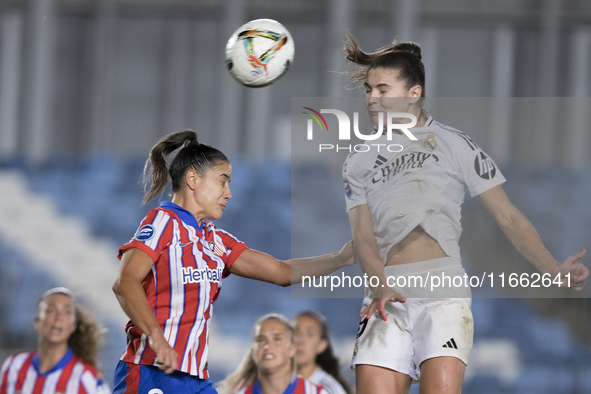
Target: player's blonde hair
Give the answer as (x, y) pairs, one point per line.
(247, 372)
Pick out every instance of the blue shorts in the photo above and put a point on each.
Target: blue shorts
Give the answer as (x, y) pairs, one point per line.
(145, 379)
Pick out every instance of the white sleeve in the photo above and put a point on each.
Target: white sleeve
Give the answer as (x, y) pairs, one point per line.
(479, 172)
(354, 185)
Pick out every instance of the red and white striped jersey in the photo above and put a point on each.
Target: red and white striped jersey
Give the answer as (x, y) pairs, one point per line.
(297, 386)
(20, 375)
(189, 264)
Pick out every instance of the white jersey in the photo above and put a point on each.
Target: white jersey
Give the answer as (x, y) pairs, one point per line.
(324, 379)
(422, 185)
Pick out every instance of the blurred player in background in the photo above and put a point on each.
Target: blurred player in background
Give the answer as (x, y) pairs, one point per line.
(404, 210)
(171, 271)
(314, 357)
(66, 357)
(270, 367)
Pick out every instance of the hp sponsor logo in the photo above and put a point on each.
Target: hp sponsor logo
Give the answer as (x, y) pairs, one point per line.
(485, 168)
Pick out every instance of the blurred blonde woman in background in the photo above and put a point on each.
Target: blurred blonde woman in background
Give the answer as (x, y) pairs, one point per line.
(269, 367)
(66, 357)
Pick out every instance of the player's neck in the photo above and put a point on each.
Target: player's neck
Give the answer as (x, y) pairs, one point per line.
(274, 382)
(306, 370)
(50, 354)
(187, 204)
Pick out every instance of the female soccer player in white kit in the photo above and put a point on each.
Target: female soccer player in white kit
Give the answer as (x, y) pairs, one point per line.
(404, 210)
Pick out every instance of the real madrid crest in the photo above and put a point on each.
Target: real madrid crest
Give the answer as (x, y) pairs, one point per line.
(430, 143)
(356, 349)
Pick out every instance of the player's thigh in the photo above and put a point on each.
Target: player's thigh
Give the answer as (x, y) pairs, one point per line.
(371, 379)
(442, 375)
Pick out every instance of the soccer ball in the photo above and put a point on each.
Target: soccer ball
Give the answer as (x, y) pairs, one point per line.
(259, 53)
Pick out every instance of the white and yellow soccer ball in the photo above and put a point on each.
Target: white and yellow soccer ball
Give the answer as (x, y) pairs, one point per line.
(259, 53)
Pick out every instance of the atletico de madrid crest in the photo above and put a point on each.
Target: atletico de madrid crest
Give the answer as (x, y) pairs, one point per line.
(217, 247)
(430, 143)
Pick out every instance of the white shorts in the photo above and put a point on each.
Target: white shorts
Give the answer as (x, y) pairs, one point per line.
(420, 328)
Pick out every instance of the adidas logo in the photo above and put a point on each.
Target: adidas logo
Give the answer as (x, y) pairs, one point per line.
(451, 344)
(380, 160)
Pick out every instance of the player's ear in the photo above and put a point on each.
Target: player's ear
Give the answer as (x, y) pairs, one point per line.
(415, 93)
(191, 179)
(37, 323)
(322, 346)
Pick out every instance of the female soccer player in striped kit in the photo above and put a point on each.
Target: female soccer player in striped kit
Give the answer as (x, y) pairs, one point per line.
(65, 359)
(171, 271)
(315, 358)
(269, 367)
(404, 211)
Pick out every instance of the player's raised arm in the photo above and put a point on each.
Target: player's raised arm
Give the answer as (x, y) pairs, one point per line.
(261, 266)
(522, 234)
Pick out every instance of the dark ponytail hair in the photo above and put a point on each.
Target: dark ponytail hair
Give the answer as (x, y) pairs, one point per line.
(403, 56)
(192, 155)
(326, 360)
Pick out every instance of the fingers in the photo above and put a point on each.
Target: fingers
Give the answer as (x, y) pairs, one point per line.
(166, 360)
(579, 275)
(365, 312)
(166, 356)
(575, 257)
(381, 311)
(370, 309)
(378, 305)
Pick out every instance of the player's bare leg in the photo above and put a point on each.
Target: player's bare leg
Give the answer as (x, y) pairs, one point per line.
(442, 375)
(371, 379)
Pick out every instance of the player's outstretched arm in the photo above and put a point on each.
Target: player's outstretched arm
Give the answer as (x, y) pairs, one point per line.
(368, 256)
(261, 266)
(135, 265)
(526, 240)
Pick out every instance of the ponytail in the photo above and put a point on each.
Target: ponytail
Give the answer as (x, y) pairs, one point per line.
(192, 155)
(403, 56)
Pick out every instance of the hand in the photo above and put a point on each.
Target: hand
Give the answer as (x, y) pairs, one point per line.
(377, 304)
(166, 357)
(578, 272)
(347, 254)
